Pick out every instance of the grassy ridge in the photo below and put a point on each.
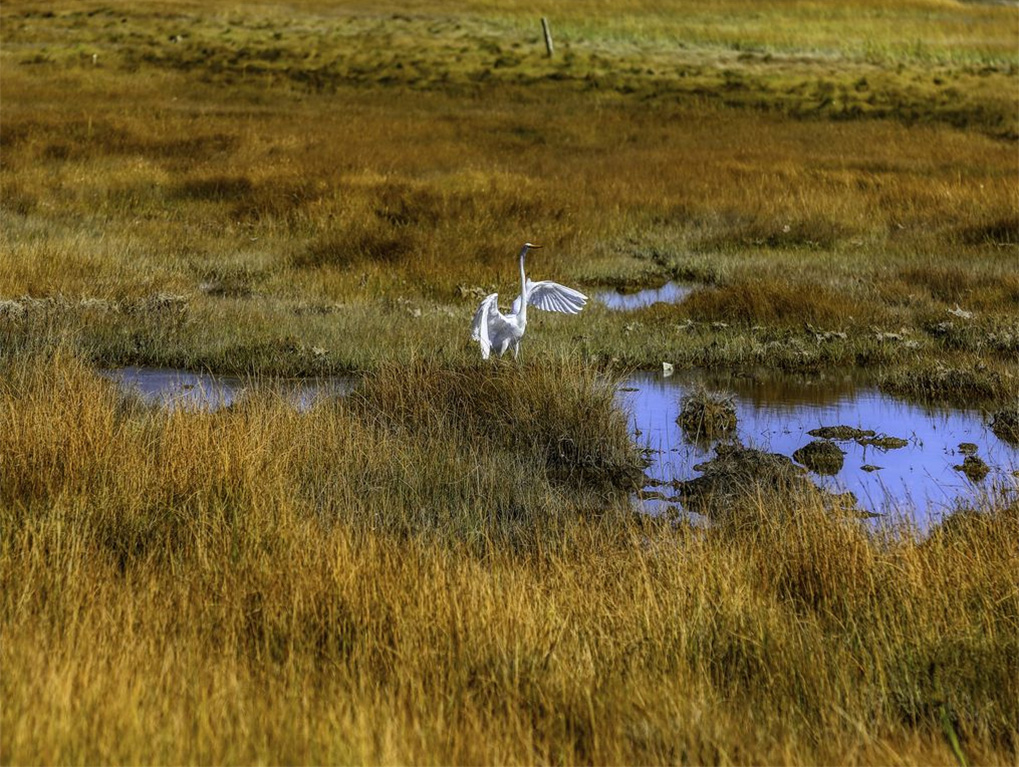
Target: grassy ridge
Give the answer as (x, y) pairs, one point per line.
(234, 190)
(353, 584)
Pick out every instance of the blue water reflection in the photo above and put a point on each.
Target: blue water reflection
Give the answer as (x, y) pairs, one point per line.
(669, 293)
(182, 389)
(775, 414)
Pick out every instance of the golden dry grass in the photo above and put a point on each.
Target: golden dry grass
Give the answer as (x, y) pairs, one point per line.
(266, 585)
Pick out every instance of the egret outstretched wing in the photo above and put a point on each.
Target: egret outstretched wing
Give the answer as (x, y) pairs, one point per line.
(479, 328)
(489, 327)
(552, 297)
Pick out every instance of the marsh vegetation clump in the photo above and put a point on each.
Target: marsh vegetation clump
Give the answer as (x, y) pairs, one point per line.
(707, 415)
(738, 475)
(562, 415)
(821, 456)
(840, 433)
(775, 300)
(1005, 425)
(974, 467)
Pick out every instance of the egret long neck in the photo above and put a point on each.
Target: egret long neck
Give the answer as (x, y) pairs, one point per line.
(523, 286)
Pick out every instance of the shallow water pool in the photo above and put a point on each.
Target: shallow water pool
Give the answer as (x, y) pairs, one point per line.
(669, 293)
(775, 414)
(173, 388)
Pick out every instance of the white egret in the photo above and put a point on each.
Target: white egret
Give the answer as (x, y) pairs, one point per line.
(494, 330)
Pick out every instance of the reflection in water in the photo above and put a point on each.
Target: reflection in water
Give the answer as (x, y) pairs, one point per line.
(669, 293)
(768, 389)
(776, 415)
(201, 391)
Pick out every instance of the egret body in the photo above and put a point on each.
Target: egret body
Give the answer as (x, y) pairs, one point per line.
(494, 330)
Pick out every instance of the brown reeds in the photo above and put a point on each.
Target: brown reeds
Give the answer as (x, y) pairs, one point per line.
(386, 580)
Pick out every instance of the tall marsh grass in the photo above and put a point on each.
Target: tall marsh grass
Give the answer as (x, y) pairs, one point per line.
(394, 580)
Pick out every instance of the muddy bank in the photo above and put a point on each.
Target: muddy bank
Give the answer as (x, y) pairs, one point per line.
(739, 475)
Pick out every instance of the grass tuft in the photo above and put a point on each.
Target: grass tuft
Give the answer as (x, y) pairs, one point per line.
(563, 414)
(773, 302)
(706, 415)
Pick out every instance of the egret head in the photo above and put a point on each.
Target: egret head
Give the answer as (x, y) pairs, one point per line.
(528, 246)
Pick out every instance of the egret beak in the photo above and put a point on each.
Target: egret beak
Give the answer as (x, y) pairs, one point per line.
(530, 246)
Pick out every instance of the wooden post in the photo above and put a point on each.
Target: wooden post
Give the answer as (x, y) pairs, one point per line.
(548, 35)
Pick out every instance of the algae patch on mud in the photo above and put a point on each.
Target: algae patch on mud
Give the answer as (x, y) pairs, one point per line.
(973, 467)
(840, 432)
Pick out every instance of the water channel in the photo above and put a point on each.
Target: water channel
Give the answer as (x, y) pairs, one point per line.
(775, 413)
(183, 389)
(669, 293)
